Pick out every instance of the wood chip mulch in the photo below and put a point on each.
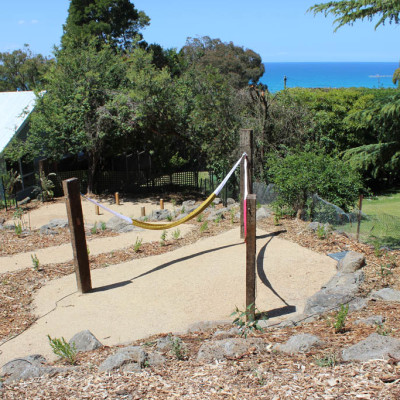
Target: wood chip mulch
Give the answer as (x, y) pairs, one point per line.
(319, 374)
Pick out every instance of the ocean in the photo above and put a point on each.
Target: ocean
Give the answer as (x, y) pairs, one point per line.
(329, 74)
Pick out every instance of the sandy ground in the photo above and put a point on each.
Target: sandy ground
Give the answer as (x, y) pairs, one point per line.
(63, 252)
(167, 293)
(45, 213)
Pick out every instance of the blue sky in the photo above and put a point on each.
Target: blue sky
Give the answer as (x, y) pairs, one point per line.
(278, 30)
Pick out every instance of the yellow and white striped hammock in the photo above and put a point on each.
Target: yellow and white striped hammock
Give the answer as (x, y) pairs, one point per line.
(194, 213)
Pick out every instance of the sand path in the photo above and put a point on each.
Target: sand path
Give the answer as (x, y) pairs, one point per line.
(168, 292)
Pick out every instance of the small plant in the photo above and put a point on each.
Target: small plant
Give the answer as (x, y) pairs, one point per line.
(176, 234)
(245, 320)
(94, 229)
(145, 218)
(203, 227)
(382, 330)
(232, 214)
(321, 232)
(63, 349)
(88, 251)
(340, 319)
(177, 348)
(259, 376)
(18, 229)
(183, 210)
(44, 191)
(103, 226)
(200, 218)
(173, 202)
(258, 205)
(212, 205)
(35, 262)
(137, 245)
(377, 243)
(277, 218)
(329, 360)
(163, 237)
(169, 217)
(218, 219)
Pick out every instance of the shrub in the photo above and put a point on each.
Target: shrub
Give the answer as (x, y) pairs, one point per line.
(63, 349)
(301, 174)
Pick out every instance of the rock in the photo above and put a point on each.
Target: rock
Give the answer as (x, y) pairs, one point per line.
(373, 347)
(119, 225)
(345, 279)
(220, 349)
(329, 299)
(45, 230)
(352, 262)
(128, 357)
(154, 359)
(371, 321)
(262, 213)
(129, 228)
(230, 201)
(358, 304)
(217, 201)
(26, 200)
(85, 341)
(165, 343)
(313, 226)
(235, 331)
(188, 203)
(299, 344)
(57, 223)
(27, 368)
(386, 294)
(159, 215)
(204, 326)
(216, 213)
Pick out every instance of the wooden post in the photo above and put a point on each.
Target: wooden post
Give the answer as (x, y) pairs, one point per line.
(251, 256)
(162, 204)
(246, 145)
(78, 239)
(96, 209)
(360, 200)
(117, 198)
(142, 211)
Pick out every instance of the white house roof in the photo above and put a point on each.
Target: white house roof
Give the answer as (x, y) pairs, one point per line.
(15, 108)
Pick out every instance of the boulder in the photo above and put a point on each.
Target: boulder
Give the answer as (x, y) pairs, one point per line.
(27, 368)
(131, 357)
(217, 201)
(220, 349)
(344, 279)
(46, 230)
(203, 326)
(57, 223)
(216, 213)
(188, 203)
(352, 262)
(386, 294)
(262, 213)
(371, 321)
(299, 344)
(373, 347)
(230, 201)
(85, 341)
(119, 225)
(159, 215)
(235, 331)
(26, 200)
(155, 358)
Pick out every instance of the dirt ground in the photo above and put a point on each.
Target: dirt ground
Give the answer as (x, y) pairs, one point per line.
(197, 266)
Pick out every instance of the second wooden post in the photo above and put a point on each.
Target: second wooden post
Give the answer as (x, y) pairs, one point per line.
(246, 146)
(78, 238)
(251, 256)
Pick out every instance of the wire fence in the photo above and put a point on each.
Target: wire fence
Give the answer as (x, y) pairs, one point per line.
(380, 229)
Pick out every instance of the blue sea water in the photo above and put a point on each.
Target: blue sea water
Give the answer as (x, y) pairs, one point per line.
(329, 74)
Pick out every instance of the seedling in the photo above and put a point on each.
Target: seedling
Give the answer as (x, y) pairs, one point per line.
(340, 319)
(18, 229)
(329, 360)
(183, 210)
(176, 234)
(94, 229)
(200, 218)
(169, 217)
(63, 349)
(232, 213)
(246, 321)
(178, 350)
(35, 262)
(163, 237)
(218, 219)
(321, 232)
(103, 226)
(203, 227)
(137, 245)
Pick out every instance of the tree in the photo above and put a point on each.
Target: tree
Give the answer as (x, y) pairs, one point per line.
(84, 107)
(22, 70)
(241, 66)
(349, 11)
(116, 22)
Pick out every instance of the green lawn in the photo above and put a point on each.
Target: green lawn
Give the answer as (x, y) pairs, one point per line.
(382, 222)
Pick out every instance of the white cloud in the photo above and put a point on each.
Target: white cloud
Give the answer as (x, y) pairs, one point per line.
(34, 21)
(21, 22)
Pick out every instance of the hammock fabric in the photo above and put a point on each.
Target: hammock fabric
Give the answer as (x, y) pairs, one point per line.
(194, 213)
